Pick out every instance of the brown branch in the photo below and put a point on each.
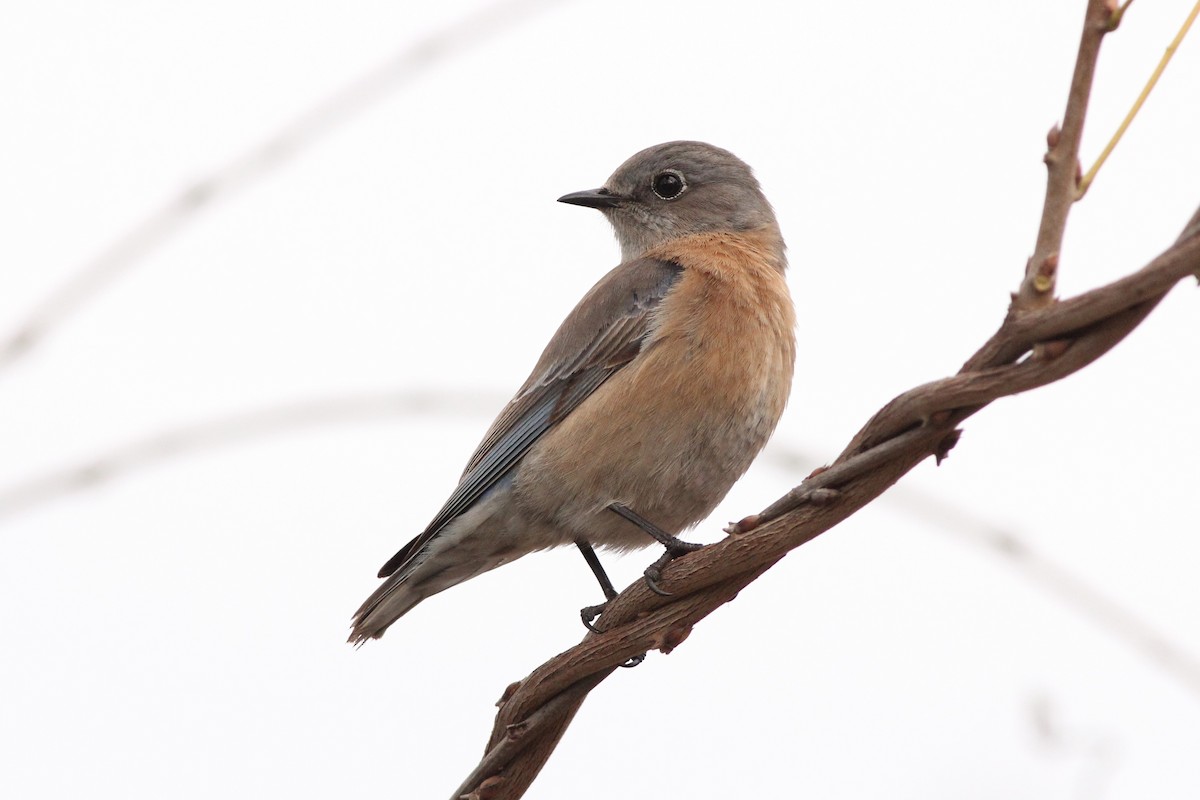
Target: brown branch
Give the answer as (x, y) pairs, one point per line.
(1062, 162)
(1039, 342)
(639, 620)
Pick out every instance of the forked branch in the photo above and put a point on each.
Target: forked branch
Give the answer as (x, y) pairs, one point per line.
(1040, 341)
(917, 424)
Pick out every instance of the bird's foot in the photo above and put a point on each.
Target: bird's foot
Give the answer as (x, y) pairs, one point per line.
(674, 550)
(675, 546)
(589, 613)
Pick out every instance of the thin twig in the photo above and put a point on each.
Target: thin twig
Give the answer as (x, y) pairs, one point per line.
(1090, 176)
(1062, 165)
(256, 162)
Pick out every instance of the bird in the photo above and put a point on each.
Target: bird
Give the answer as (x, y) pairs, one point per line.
(649, 402)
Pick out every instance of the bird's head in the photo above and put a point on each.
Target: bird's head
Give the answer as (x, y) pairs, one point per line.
(676, 189)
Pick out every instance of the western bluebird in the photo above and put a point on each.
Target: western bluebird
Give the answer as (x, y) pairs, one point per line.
(649, 402)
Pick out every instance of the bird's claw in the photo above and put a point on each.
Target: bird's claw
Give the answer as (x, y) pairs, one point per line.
(653, 572)
(589, 613)
(653, 575)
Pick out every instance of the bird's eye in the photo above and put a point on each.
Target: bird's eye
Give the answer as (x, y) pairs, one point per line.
(668, 184)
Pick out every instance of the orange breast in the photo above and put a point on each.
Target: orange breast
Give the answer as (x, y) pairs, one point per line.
(670, 433)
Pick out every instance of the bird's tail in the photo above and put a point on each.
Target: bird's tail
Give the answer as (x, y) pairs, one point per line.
(446, 562)
(392, 600)
(468, 545)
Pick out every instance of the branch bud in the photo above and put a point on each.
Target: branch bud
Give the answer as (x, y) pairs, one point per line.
(1042, 280)
(1053, 136)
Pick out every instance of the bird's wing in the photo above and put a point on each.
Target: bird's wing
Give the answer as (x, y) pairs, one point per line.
(603, 333)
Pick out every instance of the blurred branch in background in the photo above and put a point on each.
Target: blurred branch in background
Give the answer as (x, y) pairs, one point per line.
(1097, 753)
(122, 461)
(270, 421)
(1016, 551)
(257, 161)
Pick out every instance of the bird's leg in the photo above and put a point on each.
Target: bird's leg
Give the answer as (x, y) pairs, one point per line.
(675, 546)
(590, 613)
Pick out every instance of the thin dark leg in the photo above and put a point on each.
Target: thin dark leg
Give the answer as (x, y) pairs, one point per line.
(589, 614)
(675, 546)
(589, 555)
(672, 543)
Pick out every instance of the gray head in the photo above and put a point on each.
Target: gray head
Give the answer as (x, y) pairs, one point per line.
(676, 189)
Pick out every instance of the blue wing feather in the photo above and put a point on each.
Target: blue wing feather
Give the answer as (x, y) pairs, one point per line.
(616, 317)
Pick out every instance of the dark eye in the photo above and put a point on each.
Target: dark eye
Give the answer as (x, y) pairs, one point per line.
(668, 184)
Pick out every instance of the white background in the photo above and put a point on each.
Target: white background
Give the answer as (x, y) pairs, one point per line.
(178, 630)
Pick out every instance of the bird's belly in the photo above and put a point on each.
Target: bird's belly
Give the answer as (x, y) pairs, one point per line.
(666, 437)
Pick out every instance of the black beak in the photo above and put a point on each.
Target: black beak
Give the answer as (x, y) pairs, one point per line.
(592, 198)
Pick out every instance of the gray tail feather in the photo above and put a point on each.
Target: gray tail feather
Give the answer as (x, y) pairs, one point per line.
(387, 604)
(422, 575)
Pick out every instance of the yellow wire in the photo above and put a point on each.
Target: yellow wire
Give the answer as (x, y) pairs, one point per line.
(1087, 179)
